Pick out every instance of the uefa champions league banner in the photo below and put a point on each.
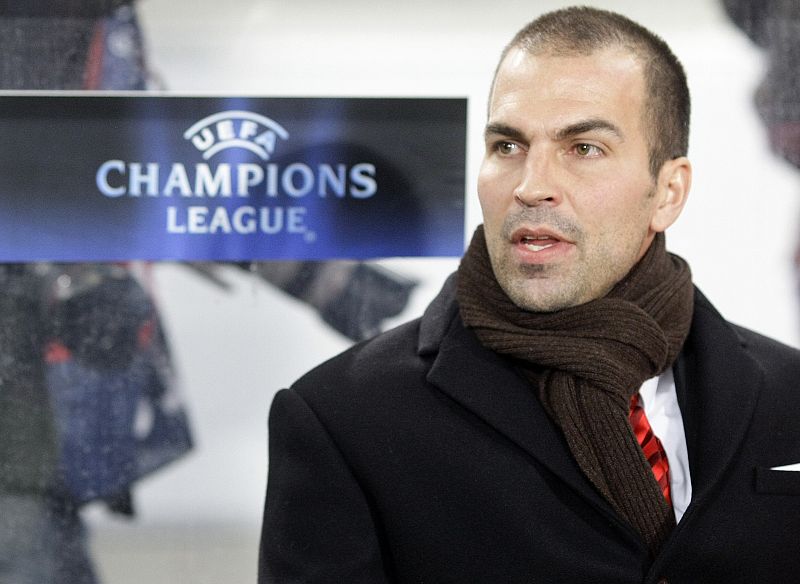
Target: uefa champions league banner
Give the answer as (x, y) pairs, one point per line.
(119, 177)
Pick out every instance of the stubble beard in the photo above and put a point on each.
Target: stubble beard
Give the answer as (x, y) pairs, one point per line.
(537, 287)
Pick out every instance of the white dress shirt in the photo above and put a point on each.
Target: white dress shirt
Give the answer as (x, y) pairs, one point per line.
(660, 402)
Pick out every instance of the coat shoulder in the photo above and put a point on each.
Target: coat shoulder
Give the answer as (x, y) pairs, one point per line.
(387, 367)
(771, 354)
(778, 360)
(370, 367)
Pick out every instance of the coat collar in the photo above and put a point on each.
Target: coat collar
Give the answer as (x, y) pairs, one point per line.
(486, 384)
(717, 383)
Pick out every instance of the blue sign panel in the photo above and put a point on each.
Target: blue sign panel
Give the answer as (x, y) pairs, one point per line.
(120, 177)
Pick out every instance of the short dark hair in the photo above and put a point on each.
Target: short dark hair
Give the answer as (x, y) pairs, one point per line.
(583, 31)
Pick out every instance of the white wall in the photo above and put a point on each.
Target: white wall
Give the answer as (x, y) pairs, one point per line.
(235, 349)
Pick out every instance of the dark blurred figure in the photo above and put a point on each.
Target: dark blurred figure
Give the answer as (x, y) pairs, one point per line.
(87, 396)
(29, 546)
(353, 298)
(63, 44)
(774, 25)
(87, 407)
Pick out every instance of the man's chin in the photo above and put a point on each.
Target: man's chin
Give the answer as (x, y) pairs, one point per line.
(539, 300)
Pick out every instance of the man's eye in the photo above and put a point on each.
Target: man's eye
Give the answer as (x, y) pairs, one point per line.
(587, 150)
(506, 148)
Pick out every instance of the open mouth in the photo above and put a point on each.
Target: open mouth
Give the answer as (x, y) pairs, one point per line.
(537, 243)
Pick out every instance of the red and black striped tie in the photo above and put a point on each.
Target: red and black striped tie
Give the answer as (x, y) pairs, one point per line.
(651, 446)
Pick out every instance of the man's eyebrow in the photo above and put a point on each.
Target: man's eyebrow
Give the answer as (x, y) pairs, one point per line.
(576, 129)
(504, 130)
(590, 125)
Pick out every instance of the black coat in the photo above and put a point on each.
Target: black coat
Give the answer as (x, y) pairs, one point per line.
(423, 457)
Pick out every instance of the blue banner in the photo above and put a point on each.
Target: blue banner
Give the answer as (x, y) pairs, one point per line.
(122, 177)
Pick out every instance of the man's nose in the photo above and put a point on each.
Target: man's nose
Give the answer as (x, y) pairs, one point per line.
(536, 186)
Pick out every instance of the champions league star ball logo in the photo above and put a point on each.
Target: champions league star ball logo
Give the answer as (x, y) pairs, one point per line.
(236, 129)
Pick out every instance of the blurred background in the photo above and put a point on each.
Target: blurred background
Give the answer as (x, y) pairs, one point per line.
(236, 336)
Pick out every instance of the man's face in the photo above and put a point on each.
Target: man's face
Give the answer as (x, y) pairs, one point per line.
(567, 197)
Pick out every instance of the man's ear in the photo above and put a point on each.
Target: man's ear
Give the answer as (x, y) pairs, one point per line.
(672, 190)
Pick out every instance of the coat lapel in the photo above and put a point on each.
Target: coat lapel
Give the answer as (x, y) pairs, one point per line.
(718, 384)
(482, 382)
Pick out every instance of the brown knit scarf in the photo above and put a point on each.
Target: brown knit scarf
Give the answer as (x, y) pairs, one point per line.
(588, 360)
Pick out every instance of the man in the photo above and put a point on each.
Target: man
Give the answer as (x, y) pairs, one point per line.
(501, 437)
